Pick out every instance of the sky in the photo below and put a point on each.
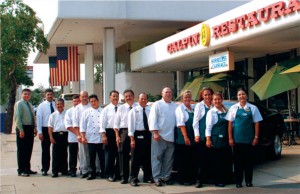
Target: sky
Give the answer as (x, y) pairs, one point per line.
(46, 10)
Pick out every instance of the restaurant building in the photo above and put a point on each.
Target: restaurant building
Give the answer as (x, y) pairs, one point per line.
(248, 39)
(151, 44)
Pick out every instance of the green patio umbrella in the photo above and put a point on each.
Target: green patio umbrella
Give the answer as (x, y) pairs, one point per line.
(226, 77)
(292, 65)
(295, 69)
(273, 83)
(197, 85)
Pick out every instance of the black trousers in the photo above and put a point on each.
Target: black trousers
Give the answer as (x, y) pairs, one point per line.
(45, 150)
(243, 155)
(222, 165)
(186, 162)
(96, 148)
(73, 154)
(141, 155)
(203, 163)
(24, 148)
(112, 168)
(60, 152)
(124, 154)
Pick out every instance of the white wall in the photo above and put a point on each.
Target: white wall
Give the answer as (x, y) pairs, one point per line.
(179, 10)
(151, 83)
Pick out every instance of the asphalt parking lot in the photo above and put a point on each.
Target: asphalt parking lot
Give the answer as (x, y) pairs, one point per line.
(279, 176)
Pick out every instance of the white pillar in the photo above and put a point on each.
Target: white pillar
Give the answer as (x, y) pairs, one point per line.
(109, 60)
(89, 68)
(250, 81)
(179, 81)
(75, 87)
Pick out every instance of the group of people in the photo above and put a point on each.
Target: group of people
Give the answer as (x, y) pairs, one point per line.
(195, 141)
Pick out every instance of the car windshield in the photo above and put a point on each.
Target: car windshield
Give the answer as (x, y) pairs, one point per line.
(68, 96)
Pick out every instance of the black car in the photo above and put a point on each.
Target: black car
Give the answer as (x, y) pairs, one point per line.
(271, 130)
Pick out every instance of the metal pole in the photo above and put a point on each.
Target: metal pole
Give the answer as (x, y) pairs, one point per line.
(228, 90)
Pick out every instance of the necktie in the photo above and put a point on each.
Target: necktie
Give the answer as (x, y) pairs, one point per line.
(130, 108)
(51, 108)
(30, 110)
(116, 108)
(145, 120)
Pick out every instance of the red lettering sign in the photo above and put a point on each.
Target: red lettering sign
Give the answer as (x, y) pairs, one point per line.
(254, 18)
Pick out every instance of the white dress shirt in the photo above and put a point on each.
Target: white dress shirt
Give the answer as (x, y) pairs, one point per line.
(121, 117)
(42, 115)
(90, 124)
(77, 114)
(198, 115)
(57, 121)
(254, 110)
(107, 117)
(135, 119)
(72, 138)
(182, 115)
(162, 118)
(211, 120)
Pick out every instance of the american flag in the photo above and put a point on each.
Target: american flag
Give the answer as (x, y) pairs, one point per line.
(68, 63)
(55, 73)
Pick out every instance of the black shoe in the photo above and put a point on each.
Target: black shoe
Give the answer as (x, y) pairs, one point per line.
(148, 181)
(111, 179)
(134, 183)
(239, 185)
(24, 174)
(73, 174)
(198, 184)
(44, 173)
(54, 175)
(249, 185)
(32, 172)
(220, 185)
(85, 175)
(65, 173)
(169, 182)
(158, 183)
(123, 181)
(91, 177)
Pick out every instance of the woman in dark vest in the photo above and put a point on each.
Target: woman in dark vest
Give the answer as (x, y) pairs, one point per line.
(243, 136)
(217, 140)
(199, 125)
(185, 144)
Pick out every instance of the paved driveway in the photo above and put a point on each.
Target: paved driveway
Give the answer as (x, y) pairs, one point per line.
(280, 176)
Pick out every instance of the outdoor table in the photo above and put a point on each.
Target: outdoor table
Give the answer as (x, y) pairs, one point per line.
(291, 131)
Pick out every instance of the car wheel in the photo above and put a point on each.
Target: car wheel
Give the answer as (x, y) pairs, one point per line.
(276, 147)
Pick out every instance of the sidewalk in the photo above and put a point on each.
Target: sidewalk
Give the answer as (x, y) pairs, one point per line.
(282, 175)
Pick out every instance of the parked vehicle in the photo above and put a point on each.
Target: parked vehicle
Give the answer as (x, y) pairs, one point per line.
(68, 99)
(271, 130)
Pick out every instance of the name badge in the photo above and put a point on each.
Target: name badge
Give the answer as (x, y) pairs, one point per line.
(221, 136)
(140, 137)
(244, 114)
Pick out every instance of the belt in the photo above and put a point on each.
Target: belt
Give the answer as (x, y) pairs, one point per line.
(60, 132)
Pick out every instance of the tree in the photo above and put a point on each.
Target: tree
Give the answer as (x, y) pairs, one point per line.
(98, 75)
(37, 96)
(21, 33)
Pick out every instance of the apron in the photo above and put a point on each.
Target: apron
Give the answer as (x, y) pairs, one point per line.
(219, 133)
(243, 130)
(189, 130)
(202, 125)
